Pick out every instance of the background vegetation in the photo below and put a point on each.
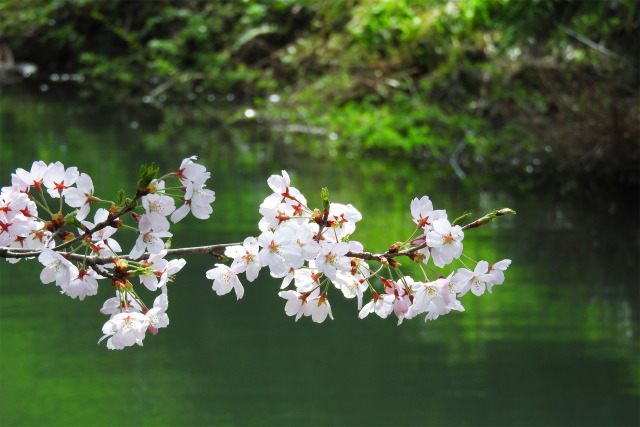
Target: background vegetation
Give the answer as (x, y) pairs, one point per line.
(548, 88)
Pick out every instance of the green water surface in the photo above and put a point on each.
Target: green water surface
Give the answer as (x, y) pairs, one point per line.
(557, 344)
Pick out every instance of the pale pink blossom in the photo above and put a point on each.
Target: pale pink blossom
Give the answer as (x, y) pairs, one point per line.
(306, 278)
(423, 213)
(283, 192)
(246, 258)
(382, 305)
(225, 279)
(161, 271)
(157, 207)
(34, 178)
(190, 171)
(318, 308)
(280, 251)
(197, 199)
(296, 302)
(332, 259)
(125, 329)
(57, 179)
(147, 239)
(445, 242)
(81, 196)
(157, 316)
(342, 219)
(85, 284)
(119, 304)
(56, 268)
(475, 280)
(497, 273)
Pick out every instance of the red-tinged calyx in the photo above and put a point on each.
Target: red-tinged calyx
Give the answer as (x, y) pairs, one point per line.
(59, 186)
(286, 195)
(282, 218)
(423, 222)
(5, 226)
(298, 210)
(38, 185)
(394, 264)
(121, 265)
(304, 296)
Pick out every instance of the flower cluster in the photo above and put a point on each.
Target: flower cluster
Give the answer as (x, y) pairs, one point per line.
(313, 249)
(310, 249)
(77, 270)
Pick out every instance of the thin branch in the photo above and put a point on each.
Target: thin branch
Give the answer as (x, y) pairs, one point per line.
(94, 260)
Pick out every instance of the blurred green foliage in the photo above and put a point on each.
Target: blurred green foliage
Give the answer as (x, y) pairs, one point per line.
(539, 85)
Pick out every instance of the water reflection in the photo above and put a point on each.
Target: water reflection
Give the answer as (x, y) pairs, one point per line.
(557, 344)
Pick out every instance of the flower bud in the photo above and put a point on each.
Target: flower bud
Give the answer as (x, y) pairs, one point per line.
(66, 235)
(417, 257)
(395, 248)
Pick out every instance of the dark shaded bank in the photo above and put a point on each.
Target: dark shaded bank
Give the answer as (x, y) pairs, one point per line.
(531, 90)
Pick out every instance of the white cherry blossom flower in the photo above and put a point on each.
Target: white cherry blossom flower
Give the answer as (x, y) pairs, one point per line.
(157, 207)
(104, 245)
(124, 329)
(445, 242)
(342, 218)
(57, 179)
(382, 305)
(296, 302)
(427, 296)
(198, 200)
(283, 192)
(81, 196)
(162, 271)
(34, 178)
(318, 308)
(56, 267)
(497, 273)
(423, 213)
(119, 304)
(280, 250)
(475, 280)
(86, 284)
(352, 283)
(157, 316)
(225, 279)
(306, 279)
(147, 239)
(332, 259)
(246, 258)
(190, 171)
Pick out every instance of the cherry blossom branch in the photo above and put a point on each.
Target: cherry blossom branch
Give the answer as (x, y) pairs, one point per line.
(97, 260)
(129, 206)
(6, 252)
(312, 248)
